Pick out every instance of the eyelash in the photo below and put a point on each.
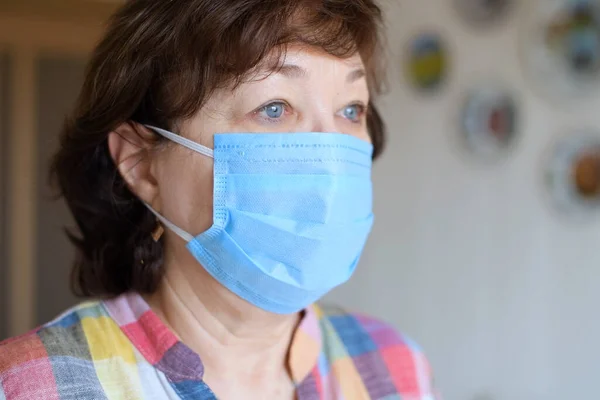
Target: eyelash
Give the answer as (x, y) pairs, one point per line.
(360, 106)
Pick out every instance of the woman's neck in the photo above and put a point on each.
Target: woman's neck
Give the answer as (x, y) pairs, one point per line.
(232, 337)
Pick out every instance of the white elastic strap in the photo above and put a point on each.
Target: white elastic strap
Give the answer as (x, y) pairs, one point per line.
(183, 141)
(176, 230)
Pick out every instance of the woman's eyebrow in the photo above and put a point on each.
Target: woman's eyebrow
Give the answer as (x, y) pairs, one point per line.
(356, 75)
(292, 71)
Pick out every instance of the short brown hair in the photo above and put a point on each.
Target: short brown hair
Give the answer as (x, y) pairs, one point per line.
(157, 64)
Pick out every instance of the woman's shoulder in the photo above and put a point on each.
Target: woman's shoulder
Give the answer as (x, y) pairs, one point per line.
(376, 348)
(42, 361)
(363, 333)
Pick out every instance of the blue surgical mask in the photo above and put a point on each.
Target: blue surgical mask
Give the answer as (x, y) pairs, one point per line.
(291, 214)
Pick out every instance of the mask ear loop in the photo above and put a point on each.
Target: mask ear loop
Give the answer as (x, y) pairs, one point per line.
(177, 230)
(159, 230)
(183, 141)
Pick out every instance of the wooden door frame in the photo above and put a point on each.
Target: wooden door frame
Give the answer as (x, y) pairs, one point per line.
(3, 205)
(29, 29)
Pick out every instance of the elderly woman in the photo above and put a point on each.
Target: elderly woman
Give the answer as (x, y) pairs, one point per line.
(218, 166)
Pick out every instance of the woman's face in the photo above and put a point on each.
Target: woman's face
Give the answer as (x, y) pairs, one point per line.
(313, 92)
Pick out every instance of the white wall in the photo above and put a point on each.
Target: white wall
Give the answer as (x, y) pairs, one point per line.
(470, 260)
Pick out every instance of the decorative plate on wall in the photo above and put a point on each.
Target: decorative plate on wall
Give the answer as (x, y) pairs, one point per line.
(561, 46)
(573, 173)
(489, 122)
(482, 12)
(427, 62)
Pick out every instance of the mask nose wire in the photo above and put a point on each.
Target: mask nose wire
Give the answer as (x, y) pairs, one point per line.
(183, 141)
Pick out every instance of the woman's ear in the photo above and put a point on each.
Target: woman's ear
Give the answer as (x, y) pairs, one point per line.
(130, 146)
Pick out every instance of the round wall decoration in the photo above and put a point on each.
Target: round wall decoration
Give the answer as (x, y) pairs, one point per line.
(561, 46)
(573, 173)
(489, 122)
(482, 12)
(427, 62)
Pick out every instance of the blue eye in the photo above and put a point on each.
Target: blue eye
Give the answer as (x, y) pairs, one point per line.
(274, 110)
(353, 112)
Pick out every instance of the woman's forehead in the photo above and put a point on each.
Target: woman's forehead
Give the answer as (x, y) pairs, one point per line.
(298, 53)
(299, 61)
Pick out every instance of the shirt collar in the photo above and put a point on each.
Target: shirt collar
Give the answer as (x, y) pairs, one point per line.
(161, 348)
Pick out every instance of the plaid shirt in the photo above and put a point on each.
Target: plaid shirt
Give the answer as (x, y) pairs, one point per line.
(120, 349)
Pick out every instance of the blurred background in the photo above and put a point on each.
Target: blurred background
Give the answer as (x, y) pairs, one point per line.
(485, 247)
